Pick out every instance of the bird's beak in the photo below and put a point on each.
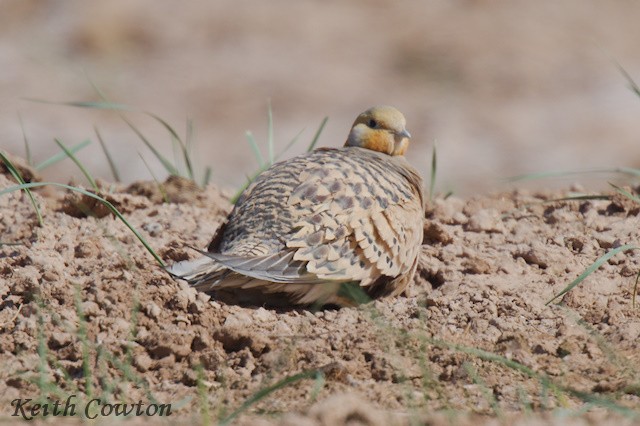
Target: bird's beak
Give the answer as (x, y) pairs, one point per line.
(405, 133)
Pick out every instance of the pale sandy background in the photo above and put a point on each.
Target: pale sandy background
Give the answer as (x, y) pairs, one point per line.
(505, 87)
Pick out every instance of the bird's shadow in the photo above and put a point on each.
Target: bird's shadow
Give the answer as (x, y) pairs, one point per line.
(350, 295)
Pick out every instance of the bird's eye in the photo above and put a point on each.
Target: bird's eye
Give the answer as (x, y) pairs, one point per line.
(373, 123)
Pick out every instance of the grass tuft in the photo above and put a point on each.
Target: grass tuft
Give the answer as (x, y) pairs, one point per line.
(17, 176)
(264, 165)
(121, 109)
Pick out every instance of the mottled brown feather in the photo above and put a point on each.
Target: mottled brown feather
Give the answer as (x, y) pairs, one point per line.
(308, 224)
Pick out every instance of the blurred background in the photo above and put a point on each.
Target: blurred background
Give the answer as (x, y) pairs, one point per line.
(502, 87)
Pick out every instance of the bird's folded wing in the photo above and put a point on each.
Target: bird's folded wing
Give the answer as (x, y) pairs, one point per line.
(279, 267)
(358, 232)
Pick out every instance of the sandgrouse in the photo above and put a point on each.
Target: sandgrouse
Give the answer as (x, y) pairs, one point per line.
(311, 224)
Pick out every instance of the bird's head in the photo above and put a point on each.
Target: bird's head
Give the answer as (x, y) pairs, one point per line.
(382, 129)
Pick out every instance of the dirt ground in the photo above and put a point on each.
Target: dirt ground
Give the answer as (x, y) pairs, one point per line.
(84, 289)
(502, 87)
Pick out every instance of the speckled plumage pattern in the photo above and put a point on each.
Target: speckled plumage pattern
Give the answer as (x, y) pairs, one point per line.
(310, 223)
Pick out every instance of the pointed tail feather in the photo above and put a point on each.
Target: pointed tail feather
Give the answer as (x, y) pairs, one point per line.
(196, 270)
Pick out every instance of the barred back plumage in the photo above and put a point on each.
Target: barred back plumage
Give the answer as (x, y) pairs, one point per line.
(309, 224)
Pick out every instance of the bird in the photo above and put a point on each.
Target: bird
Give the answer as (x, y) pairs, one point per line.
(311, 227)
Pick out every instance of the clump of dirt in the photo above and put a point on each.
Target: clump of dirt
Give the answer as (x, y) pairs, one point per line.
(85, 294)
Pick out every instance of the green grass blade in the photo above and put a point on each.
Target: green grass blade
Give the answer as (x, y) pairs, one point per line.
(42, 350)
(170, 168)
(595, 265)
(83, 337)
(353, 293)
(588, 197)
(61, 155)
(263, 165)
(27, 149)
(586, 397)
(317, 135)
(630, 81)
(484, 389)
(175, 147)
(112, 164)
(540, 175)
(612, 355)
(635, 290)
(318, 385)
(250, 179)
(160, 188)
(205, 415)
(627, 170)
(525, 401)
(487, 356)
(91, 105)
(176, 137)
(555, 200)
(434, 171)
(188, 142)
(254, 147)
(637, 200)
(16, 174)
(289, 145)
(270, 139)
(535, 176)
(262, 393)
(207, 176)
(106, 105)
(73, 158)
(625, 193)
(106, 203)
